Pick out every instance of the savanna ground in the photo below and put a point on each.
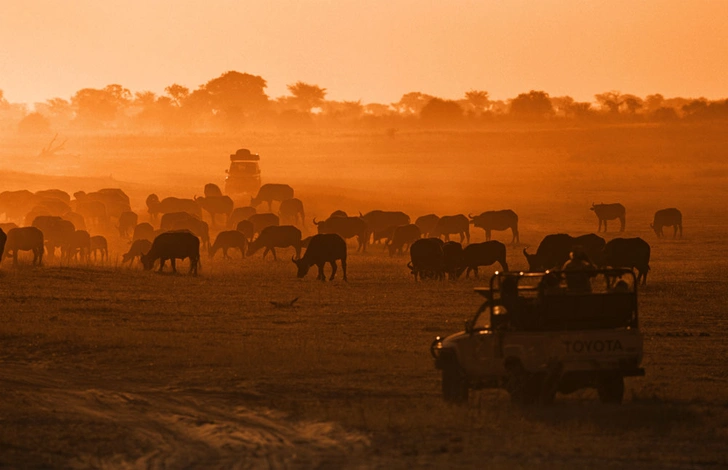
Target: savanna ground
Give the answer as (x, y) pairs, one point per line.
(109, 366)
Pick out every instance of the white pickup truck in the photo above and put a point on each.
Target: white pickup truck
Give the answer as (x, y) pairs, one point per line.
(542, 333)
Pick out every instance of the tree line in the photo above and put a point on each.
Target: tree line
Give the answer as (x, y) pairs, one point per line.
(237, 100)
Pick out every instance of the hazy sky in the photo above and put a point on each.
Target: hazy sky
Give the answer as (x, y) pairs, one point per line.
(373, 50)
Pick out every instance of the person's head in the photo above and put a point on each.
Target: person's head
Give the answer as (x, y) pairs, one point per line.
(578, 254)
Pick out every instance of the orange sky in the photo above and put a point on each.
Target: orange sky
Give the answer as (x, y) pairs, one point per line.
(372, 50)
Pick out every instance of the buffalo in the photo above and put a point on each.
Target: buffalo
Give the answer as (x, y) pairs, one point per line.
(453, 224)
(274, 237)
(172, 204)
(484, 254)
(214, 205)
(427, 259)
(80, 245)
(553, 251)
(346, 227)
(261, 221)
(24, 239)
(272, 192)
(404, 235)
(143, 231)
(607, 212)
(667, 218)
(114, 199)
(3, 241)
(177, 244)
(100, 245)
(497, 220)
(323, 248)
(629, 253)
(239, 214)
(427, 224)
(378, 221)
(57, 232)
(227, 240)
(291, 210)
(453, 259)
(138, 248)
(127, 221)
(212, 190)
(247, 228)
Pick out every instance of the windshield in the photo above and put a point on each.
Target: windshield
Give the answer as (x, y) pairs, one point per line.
(244, 167)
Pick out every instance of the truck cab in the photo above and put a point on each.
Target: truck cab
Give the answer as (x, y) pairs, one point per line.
(537, 334)
(243, 176)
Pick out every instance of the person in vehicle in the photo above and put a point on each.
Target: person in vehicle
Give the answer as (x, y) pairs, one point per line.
(578, 271)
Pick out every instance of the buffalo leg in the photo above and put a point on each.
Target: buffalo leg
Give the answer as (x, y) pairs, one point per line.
(343, 267)
(333, 270)
(161, 264)
(321, 276)
(173, 261)
(273, 250)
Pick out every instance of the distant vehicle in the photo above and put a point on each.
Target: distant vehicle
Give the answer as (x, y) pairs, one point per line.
(534, 336)
(244, 173)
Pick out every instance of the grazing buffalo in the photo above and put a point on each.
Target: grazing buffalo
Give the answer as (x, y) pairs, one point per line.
(404, 235)
(246, 228)
(144, 231)
(214, 205)
(53, 206)
(453, 224)
(174, 245)
(497, 220)
(212, 190)
(15, 204)
(80, 245)
(385, 235)
(227, 240)
(239, 214)
(54, 194)
(606, 212)
(127, 221)
(186, 221)
(323, 248)
(346, 227)
(274, 237)
(114, 199)
(453, 258)
(427, 260)
(272, 192)
(3, 240)
(629, 253)
(100, 245)
(484, 254)
(553, 251)
(93, 212)
(291, 210)
(57, 233)
(378, 221)
(24, 239)
(172, 204)
(138, 248)
(261, 221)
(77, 219)
(427, 224)
(667, 218)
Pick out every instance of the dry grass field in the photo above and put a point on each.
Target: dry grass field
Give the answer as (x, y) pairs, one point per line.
(106, 366)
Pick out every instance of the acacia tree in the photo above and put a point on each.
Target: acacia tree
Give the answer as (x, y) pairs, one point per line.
(441, 112)
(534, 104)
(305, 96)
(234, 95)
(97, 108)
(412, 103)
(478, 100)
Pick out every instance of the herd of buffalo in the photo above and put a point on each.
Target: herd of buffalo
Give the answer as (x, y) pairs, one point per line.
(50, 220)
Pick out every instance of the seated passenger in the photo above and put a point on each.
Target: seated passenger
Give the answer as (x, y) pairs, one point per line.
(578, 271)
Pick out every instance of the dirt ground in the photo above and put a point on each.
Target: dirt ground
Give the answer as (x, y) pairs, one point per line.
(107, 366)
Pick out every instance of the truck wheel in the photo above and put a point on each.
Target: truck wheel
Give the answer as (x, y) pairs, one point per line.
(611, 388)
(454, 386)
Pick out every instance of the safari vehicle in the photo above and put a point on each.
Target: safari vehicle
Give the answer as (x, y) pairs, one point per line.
(541, 333)
(244, 173)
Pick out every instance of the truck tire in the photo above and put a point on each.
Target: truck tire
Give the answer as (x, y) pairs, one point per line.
(611, 388)
(454, 386)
